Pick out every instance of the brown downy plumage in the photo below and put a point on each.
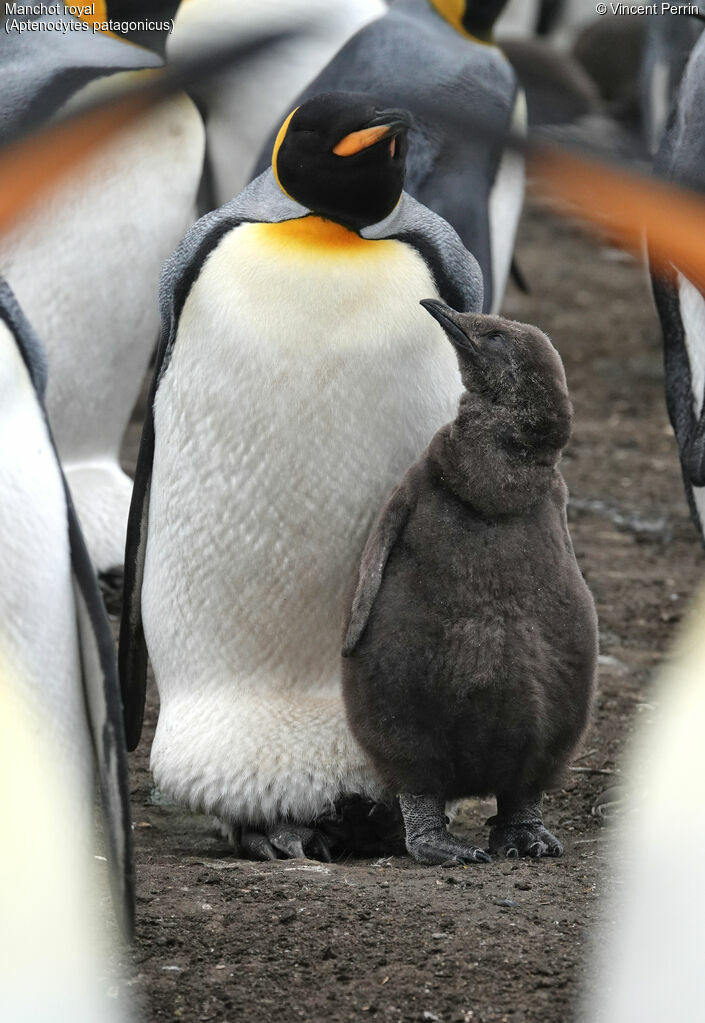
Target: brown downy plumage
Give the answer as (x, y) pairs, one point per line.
(472, 642)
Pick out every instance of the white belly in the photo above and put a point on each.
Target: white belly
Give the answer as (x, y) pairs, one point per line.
(299, 391)
(39, 657)
(85, 268)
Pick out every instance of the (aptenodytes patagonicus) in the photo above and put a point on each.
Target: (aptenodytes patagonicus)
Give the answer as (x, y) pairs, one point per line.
(297, 378)
(681, 302)
(471, 646)
(57, 657)
(436, 57)
(243, 106)
(85, 263)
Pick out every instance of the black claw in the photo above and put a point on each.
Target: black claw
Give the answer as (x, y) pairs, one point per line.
(524, 840)
(257, 846)
(288, 842)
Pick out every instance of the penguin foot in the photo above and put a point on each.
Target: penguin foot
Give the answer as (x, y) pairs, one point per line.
(427, 837)
(285, 841)
(529, 839)
(439, 847)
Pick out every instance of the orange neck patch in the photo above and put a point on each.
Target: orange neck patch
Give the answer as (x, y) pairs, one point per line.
(319, 237)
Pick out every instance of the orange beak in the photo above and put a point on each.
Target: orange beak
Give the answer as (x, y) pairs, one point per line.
(356, 141)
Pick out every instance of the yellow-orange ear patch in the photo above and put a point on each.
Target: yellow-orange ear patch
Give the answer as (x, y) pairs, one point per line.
(281, 135)
(356, 141)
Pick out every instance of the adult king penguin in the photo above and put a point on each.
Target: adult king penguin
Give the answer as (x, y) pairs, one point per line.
(85, 264)
(436, 55)
(57, 660)
(242, 107)
(681, 302)
(297, 376)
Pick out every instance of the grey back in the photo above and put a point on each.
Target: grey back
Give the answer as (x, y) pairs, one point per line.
(41, 68)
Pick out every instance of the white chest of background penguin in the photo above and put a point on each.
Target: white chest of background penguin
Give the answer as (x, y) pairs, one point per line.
(57, 658)
(85, 262)
(297, 377)
(436, 59)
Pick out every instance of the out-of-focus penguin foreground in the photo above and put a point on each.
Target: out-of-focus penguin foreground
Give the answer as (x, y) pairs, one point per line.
(295, 381)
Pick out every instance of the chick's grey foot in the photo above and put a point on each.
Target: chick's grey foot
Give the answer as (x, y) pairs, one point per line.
(427, 837)
(518, 829)
(284, 840)
(529, 839)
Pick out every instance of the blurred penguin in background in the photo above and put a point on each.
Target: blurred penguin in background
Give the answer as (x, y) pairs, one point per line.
(85, 263)
(53, 950)
(526, 18)
(245, 105)
(430, 56)
(648, 953)
(670, 39)
(57, 657)
(681, 302)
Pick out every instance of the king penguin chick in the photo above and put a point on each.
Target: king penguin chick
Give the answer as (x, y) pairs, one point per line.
(85, 262)
(297, 379)
(471, 647)
(436, 58)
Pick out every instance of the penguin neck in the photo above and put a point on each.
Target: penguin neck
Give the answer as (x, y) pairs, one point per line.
(475, 462)
(455, 12)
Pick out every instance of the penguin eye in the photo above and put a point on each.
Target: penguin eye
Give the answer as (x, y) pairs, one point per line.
(495, 338)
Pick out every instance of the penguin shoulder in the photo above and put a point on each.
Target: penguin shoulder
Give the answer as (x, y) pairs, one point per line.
(455, 270)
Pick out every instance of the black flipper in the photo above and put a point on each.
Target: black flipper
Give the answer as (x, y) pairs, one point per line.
(383, 535)
(98, 667)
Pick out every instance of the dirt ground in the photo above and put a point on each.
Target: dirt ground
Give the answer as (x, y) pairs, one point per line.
(221, 939)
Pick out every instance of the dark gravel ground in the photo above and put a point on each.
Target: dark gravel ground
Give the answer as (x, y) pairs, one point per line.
(221, 939)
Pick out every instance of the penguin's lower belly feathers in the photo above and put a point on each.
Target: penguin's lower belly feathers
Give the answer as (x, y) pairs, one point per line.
(39, 655)
(302, 384)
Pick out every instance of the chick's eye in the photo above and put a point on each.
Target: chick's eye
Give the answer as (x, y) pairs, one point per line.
(495, 338)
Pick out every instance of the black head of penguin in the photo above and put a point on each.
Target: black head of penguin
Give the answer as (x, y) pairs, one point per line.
(516, 396)
(343, 157)
(477, 17)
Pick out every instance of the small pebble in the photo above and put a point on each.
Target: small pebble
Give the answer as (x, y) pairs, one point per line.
(507, 903)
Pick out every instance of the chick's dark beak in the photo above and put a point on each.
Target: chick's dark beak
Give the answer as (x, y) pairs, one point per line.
(452, 323)
(387, 124)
